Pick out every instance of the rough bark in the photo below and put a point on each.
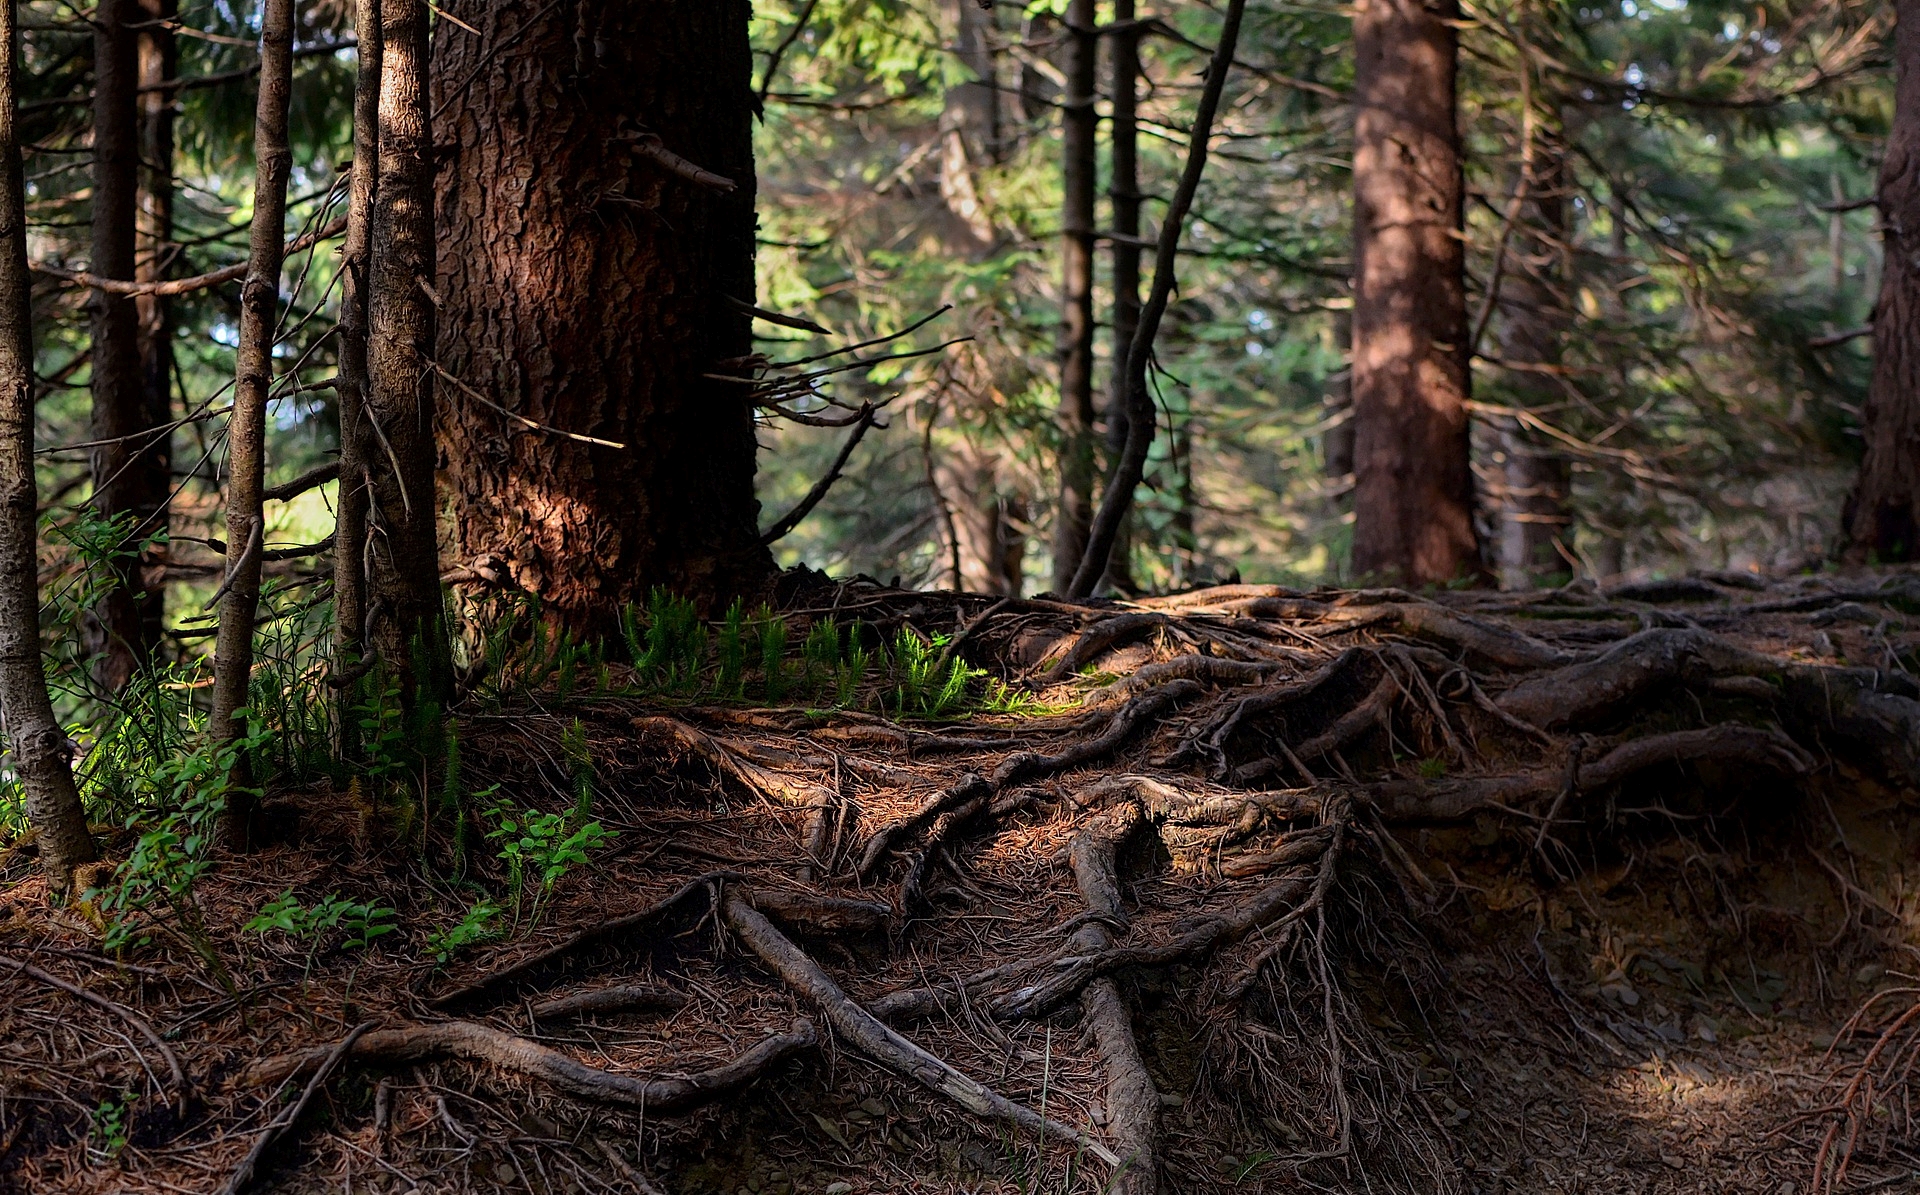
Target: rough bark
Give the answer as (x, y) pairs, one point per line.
(124, 477)
(350, 505)
(1413, 494)
(1078, 131)
(403, 569)
(587, 288)
(154, 259)
(1534, 318)
(39, 752)
(1123, 193)
(253, 378)
(1883, 512)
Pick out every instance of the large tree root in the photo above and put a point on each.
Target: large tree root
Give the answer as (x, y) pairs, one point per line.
(1133, 1104)
(882, 1045)
(481, 1043)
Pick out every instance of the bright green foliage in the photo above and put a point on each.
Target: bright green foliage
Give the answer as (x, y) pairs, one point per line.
(772, 632)
(541, 848)
(922, 683)
(731, 650)
(479, 924)
(174, 849)
(670, 646)
(359, 923)
(111, 1130)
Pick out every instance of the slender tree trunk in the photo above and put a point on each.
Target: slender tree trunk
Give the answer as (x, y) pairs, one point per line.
(589, 286)
(1123, 192)
(159, 60)
(350, 505)
(1883, 512)
(40, 754)
(123, 470)
(1413, 493)
(986, 537)
(970, 130)
(253, 378)
(1078, 130)
(403, 576)
(1534, 318)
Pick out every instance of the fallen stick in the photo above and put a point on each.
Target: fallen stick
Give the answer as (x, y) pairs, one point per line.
(619, 998)
(279, 1125)
(482, 1043)
(882, 1045)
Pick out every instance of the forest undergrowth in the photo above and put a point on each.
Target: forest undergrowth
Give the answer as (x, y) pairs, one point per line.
(875, 890)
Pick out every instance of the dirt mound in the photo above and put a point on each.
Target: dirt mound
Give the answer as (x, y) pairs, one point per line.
(1241, 889)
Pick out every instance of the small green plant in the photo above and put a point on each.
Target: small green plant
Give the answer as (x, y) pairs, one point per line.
(922, 684)
(174, 849)
(1433, 769)
(359, 923)
(729, 681)
(773, 651)
(820, 654)
(478, 924)
(668, 646)
(112, 1129)
(853, 671)
(539, 849)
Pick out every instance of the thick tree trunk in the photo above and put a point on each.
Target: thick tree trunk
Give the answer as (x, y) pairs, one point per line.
(403, 569)
(1123, 193)
(1413, 494)
(589, 286)
(1883, 512)
(253, 378)
(126, 486)
(350, 506)
(39, 751)
(1078, 132)
(1534, 317)
(154, 258)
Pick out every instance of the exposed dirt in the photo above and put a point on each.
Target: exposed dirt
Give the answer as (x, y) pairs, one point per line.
(1474, 893)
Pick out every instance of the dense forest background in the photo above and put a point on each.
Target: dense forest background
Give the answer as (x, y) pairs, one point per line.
(945, 595)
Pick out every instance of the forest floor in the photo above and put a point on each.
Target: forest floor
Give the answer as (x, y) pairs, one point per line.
(1255, 890)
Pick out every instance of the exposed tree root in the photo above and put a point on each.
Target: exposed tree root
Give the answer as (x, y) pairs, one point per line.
(882, 1045)
(624, 997)
(482, 1043)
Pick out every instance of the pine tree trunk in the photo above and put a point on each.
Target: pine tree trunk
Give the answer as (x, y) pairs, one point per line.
(1413, 493)
(1883, 512)
(1123, 193)
(124, 478)
(253, 378)
(350, 506)
(1534, 317)
(403, 574)
(1078, 130)
(589, 286)
(154, 258)
(39, 751)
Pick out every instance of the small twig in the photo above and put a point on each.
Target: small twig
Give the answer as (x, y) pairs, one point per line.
(278, 1127)
(787, 522)
(522, 420)
(179, 1074)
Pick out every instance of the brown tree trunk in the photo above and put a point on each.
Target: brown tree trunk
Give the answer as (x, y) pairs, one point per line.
(253, 378)
(39, 751)
(154, 258)
(1534, 317)
(350, 505)
(403, 569)
(1078, 131)
(124, 478)
(987, 540)
(1883, 512)
(1123, 193)
(1413, 493)
(970, 130)
(587, 287)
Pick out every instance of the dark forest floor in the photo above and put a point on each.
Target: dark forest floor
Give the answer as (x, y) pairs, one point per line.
(1334, 891)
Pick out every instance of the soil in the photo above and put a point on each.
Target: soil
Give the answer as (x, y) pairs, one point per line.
(1704, 975)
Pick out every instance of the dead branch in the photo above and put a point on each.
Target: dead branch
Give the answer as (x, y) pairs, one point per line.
(134, 1020)
(281, 1124)
(618, 998)
(882, 1045)
(481, 1043)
